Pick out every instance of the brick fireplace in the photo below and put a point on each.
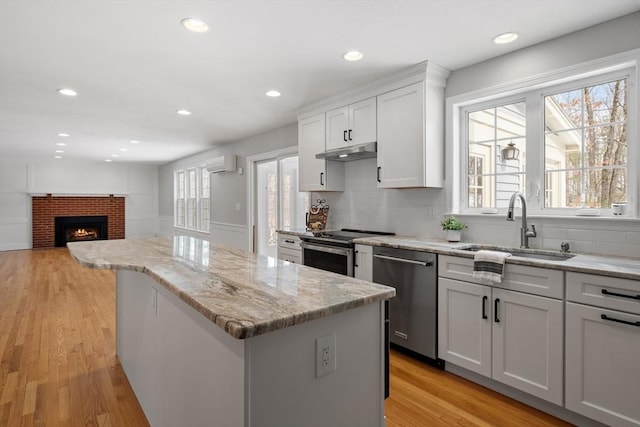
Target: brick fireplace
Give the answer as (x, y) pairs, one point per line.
(45, 209)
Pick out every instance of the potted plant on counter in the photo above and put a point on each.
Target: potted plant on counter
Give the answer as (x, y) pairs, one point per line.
(454, 228)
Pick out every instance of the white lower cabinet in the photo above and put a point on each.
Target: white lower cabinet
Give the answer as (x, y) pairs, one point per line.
(603, 364)
(289, 248)
(512, 337)
(363, 265)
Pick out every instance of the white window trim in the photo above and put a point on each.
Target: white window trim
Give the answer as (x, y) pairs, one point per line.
(456, 155)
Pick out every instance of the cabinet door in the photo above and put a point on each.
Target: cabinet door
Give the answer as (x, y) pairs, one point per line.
(316, 174)
(290, 255)
(337, 128)
(363, 268)
(603, 365)
(362, 122)
(527, 343)
(311, 142)
(401, 156)
(464, 325)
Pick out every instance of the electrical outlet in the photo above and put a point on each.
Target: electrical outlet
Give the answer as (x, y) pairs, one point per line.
(325, 355)
(429, 211)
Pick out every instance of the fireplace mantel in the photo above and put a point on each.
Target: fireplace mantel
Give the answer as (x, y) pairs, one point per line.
(40, 194)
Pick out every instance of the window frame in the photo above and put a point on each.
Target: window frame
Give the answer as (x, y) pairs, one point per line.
(199, 224)
(533, 96)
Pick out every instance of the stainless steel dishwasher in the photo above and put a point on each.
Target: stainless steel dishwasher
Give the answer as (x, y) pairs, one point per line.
(413, 312)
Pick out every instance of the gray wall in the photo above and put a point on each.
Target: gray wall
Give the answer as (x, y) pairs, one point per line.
(615, 36)
(230, 188)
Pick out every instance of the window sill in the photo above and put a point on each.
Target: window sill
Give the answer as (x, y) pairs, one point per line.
(503, 215)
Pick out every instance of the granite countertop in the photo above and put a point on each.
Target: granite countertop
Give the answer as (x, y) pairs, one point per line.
(628, 268)
(243, 293)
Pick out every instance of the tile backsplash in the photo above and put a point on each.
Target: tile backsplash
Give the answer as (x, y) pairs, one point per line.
(418, 212)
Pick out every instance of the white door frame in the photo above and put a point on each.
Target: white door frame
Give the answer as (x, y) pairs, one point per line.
(251, 187)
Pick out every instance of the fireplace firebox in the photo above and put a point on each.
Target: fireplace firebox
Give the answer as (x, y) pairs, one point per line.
(80, 228)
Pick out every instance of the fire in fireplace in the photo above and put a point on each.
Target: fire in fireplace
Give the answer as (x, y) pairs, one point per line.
(80, 228)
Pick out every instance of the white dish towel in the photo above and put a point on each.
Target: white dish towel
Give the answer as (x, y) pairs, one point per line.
(489, 265)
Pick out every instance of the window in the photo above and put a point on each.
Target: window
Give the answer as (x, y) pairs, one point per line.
(192, 199)
(180, 199)
(491, 178)
(205, 206)
(586, 145)
(575, 136)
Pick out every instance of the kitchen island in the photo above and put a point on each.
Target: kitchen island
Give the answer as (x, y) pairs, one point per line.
(210, 335)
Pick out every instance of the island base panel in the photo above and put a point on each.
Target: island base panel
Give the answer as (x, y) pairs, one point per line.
(185, 370)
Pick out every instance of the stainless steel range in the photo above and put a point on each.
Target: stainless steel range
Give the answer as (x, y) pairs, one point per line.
(333, 250)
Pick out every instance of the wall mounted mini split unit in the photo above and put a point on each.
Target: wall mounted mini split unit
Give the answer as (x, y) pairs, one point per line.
(225, 163)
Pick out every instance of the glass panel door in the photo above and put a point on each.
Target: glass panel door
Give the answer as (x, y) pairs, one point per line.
(279, 204)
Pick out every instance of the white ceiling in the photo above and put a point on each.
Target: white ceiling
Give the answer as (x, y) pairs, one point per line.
(133, 65)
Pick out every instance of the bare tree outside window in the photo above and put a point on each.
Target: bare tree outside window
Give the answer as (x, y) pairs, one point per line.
(586, 142)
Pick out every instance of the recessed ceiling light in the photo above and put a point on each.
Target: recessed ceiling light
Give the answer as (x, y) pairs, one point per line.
(196, 25)
(114, 155)
(64, 135)
(67, 92)
(60, 151)
(183, 112)
(60, 144)
(107, 160)
(123, 149)
(273, 93)
(505, 38)
(133, 141)
(352, 55)
(57, 157)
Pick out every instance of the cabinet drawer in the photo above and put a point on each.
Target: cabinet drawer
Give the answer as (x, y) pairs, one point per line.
(603, 291)
(532, 280)
(289, 241)
(290, 255)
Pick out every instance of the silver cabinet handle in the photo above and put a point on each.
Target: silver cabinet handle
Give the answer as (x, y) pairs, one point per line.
(406, 261)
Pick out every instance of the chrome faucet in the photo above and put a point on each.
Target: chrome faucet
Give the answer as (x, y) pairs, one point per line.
(525, 233)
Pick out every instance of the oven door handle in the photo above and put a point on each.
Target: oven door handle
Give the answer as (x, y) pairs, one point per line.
(407, 261)
(321, 248)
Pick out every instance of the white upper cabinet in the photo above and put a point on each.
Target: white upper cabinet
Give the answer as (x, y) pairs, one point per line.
(316, 174)
(351, 125)
(411, 137)
(403, 113)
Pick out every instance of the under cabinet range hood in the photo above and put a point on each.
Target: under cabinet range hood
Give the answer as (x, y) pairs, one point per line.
(347, 154)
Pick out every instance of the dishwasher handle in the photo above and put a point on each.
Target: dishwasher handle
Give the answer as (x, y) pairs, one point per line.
(404, 260)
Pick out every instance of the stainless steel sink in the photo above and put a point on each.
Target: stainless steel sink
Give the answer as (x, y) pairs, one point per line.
(522, 253)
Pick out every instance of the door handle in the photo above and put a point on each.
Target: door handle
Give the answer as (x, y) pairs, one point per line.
(406, 261)
(378, 177)
(484, 307)
(344, 136)
(495, 310)
(350, 135)
(355, 258)
(321, 178)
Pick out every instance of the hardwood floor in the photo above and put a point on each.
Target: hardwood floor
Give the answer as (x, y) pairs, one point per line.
(425, 396)
(58, 364)
(57, 345)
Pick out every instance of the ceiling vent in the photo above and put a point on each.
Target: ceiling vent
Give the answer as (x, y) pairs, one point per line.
(225, 163)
